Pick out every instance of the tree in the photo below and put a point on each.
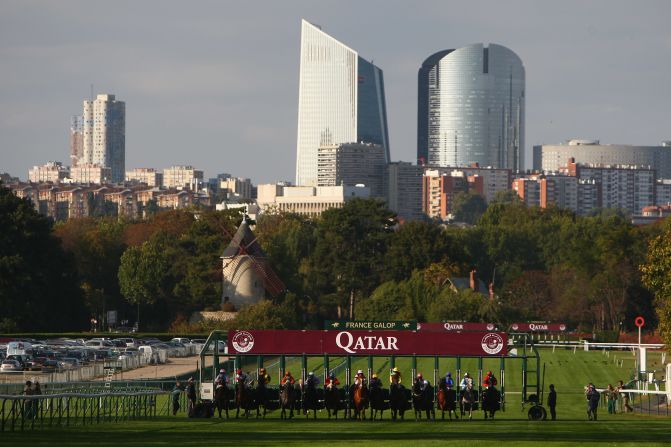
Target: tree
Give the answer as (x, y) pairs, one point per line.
(416, 245)
(349, 251)
(37, 278)
(468, 207)
(657, 277)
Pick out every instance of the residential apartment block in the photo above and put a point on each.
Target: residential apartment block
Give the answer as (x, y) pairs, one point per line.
(186, 177)
(352, 164)
(403, 187)
(52, 172)
(148, 176)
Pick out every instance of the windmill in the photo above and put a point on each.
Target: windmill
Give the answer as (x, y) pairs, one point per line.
(247, 276)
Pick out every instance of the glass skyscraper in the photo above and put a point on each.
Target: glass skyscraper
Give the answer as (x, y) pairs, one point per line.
(340, 100)
(471, 108)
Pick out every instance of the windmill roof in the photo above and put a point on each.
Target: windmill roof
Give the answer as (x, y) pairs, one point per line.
(244, 243)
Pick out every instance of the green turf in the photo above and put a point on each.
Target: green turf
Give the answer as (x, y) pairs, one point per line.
(619, 429)
(568, 370)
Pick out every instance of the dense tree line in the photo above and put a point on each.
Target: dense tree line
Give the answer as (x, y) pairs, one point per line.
(543, 264)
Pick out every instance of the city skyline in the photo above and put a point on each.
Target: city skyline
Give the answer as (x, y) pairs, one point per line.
(197, 93)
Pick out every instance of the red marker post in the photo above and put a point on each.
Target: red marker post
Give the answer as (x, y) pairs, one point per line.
(639, 322)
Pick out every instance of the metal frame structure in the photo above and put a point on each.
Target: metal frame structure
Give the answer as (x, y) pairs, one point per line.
(532, 387)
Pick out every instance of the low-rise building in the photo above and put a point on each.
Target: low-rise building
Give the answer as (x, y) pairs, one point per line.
(147, 176)
(51, 172)
(182, 177)
(307, 200)
(91, 174)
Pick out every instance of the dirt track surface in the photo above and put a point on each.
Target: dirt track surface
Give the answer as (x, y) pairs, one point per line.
(174, 367)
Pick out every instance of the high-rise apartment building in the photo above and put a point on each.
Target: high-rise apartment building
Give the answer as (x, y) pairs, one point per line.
(340, 100)
(403, 187)
(471, 108)
(105, 134)
(351, 164)
(76, 140)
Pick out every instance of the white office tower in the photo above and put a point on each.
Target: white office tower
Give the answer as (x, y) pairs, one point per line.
(105, 134)
(340, 100)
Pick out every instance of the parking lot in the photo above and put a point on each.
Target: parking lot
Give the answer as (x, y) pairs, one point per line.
(65, 360)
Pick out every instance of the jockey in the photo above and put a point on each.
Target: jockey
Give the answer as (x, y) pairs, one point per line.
(331, 381)
(359, 379)
(222, 378)
(449, 382)
(288, 378)
(264, 378)
(395, 376)
(375, 381)
(240, 377)
(467, 380)
(312, 380)
(419, 380)
(490, 380)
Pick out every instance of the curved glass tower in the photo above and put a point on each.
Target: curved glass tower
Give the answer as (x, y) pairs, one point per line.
(471, 108)
(340, 100)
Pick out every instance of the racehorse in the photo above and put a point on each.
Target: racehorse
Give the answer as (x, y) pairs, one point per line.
(244, 398)
(397, 400)
(447, 399)
(332, 400)
(360, 397)
(222, 395)
(287, 400)
(261, 397)
(491, 398)
(310, 398)
(376, 401)
(422, 400)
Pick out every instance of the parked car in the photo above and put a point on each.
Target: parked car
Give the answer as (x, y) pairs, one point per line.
(51, 366)
(10, 366)
(182, 340)
(70, 363)
(35, 364)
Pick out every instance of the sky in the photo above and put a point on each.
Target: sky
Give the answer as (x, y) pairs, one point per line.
(214, 84)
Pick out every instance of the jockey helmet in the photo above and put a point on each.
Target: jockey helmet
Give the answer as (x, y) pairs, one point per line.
(287, 373)
(332, 376)
(374, 376)
(419, 376)
(239, 371)
(395, 370)
(449, 374)
(262, 370)
(311, 373)
(222, 370)
(359, 372)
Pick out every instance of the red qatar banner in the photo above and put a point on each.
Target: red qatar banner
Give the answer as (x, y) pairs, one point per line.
(538, 327)
(278, 342)
(452, 327)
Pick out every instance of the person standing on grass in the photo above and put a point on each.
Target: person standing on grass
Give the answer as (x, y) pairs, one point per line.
(174, 395)
(552, 402)
(625, 397)
(191, 395)
(593, 398)
(611, 397)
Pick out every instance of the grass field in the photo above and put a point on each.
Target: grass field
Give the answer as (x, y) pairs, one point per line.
(569, 372)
